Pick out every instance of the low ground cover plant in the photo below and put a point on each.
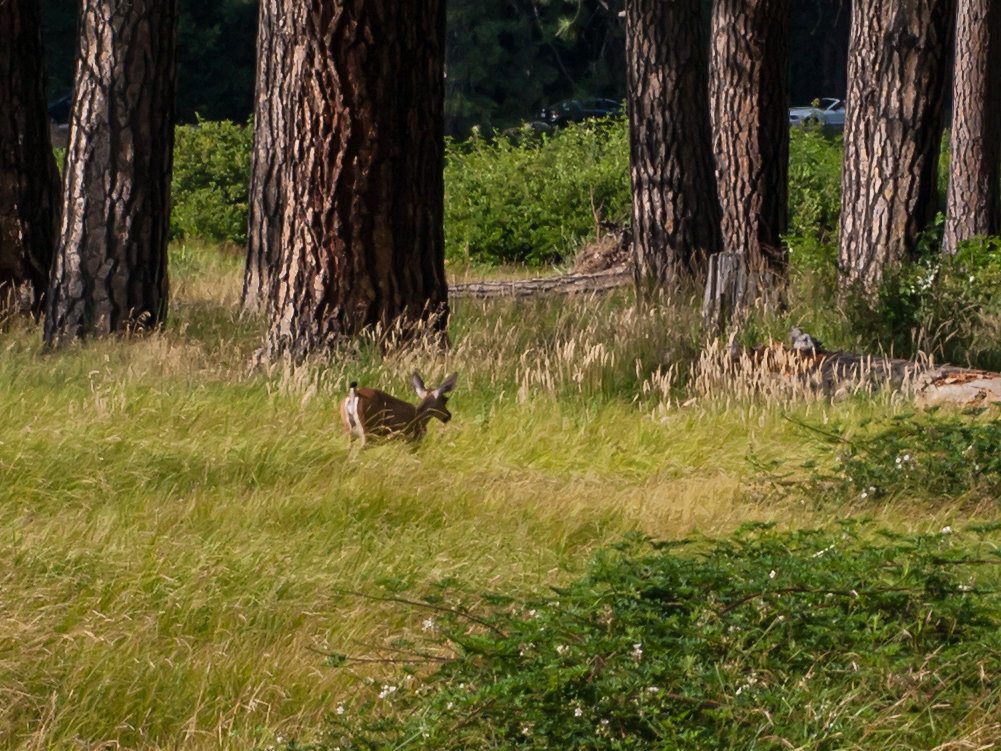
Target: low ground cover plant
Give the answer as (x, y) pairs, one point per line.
(848, 637)
(927, 457)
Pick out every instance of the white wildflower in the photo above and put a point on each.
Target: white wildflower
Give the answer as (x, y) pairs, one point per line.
(429, 625)
(578, 712)
(637, 652)
(772, 574)
(562, 649)
(946, 530)
(386, 691)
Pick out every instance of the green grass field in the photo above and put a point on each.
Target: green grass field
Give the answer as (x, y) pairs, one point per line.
(181, 535)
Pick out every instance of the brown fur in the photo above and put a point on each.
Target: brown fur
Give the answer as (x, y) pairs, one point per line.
(370, 412)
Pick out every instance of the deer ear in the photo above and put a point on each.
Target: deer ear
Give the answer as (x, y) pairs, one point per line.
(447, 385)
(418, 383)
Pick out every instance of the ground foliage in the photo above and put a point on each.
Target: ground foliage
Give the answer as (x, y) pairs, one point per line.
(847, 637)
(928, 457)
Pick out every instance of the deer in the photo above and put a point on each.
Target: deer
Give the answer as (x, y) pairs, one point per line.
(366, 412)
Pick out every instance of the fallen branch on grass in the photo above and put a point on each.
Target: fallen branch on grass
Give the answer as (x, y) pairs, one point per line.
(549, 285)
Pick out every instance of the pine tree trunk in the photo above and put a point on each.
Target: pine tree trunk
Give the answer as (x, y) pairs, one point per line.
(675, 205)
(269, 166)
(110, 271)
(750, 104)
(974, 197)
(898, 66)
(29, 180)
(363, 236)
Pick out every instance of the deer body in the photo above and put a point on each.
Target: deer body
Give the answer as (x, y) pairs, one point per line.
(366, 412)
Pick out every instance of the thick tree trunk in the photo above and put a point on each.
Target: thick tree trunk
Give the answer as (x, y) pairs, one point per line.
(269, 168)
(29, 180)
(750, 105)
(974, 198)
(110, 271)
(675, 205)
(898, 66)
(363, 237)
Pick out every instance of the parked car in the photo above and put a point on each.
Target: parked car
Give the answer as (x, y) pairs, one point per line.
(827, 112)
(578, 110)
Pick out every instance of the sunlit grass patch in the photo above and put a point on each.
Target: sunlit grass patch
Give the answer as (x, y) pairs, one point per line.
(182, 530)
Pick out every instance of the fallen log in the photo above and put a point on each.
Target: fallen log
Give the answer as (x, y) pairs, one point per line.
(549, 285)
(805, 369)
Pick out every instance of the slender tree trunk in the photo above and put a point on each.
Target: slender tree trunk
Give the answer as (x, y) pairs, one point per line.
(898, 67)
(270, 155)
(750, 105)
(675, 205)
(363, 238)
(110, 271)
(974, 197)
(29, 180)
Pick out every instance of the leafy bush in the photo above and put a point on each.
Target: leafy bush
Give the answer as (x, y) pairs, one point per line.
(943, 305)
(210, 183)
(928, 457)
(814, 184)
(532, 199)
(844, 638)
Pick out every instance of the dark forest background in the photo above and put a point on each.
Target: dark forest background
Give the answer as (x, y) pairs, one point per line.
(505, 60)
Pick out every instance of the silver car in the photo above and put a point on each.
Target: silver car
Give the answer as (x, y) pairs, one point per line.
(827, 112)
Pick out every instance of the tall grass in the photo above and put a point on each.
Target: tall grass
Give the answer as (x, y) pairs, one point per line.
(181, 532)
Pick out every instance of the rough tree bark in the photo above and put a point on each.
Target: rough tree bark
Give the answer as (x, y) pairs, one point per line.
(749, 84)
(363, 236)
(898, 64)
(269, 166)
(749, 94)
(110, 270)
(974, 196)
(29, 180)
(675, 205)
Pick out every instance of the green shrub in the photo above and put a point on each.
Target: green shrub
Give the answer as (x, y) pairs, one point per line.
(814, 184)
(533, 199)
(946, 306)
(210, 183)
(844, 638)
(929, 457)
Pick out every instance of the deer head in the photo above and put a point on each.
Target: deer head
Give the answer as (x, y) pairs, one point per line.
(366, 412)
